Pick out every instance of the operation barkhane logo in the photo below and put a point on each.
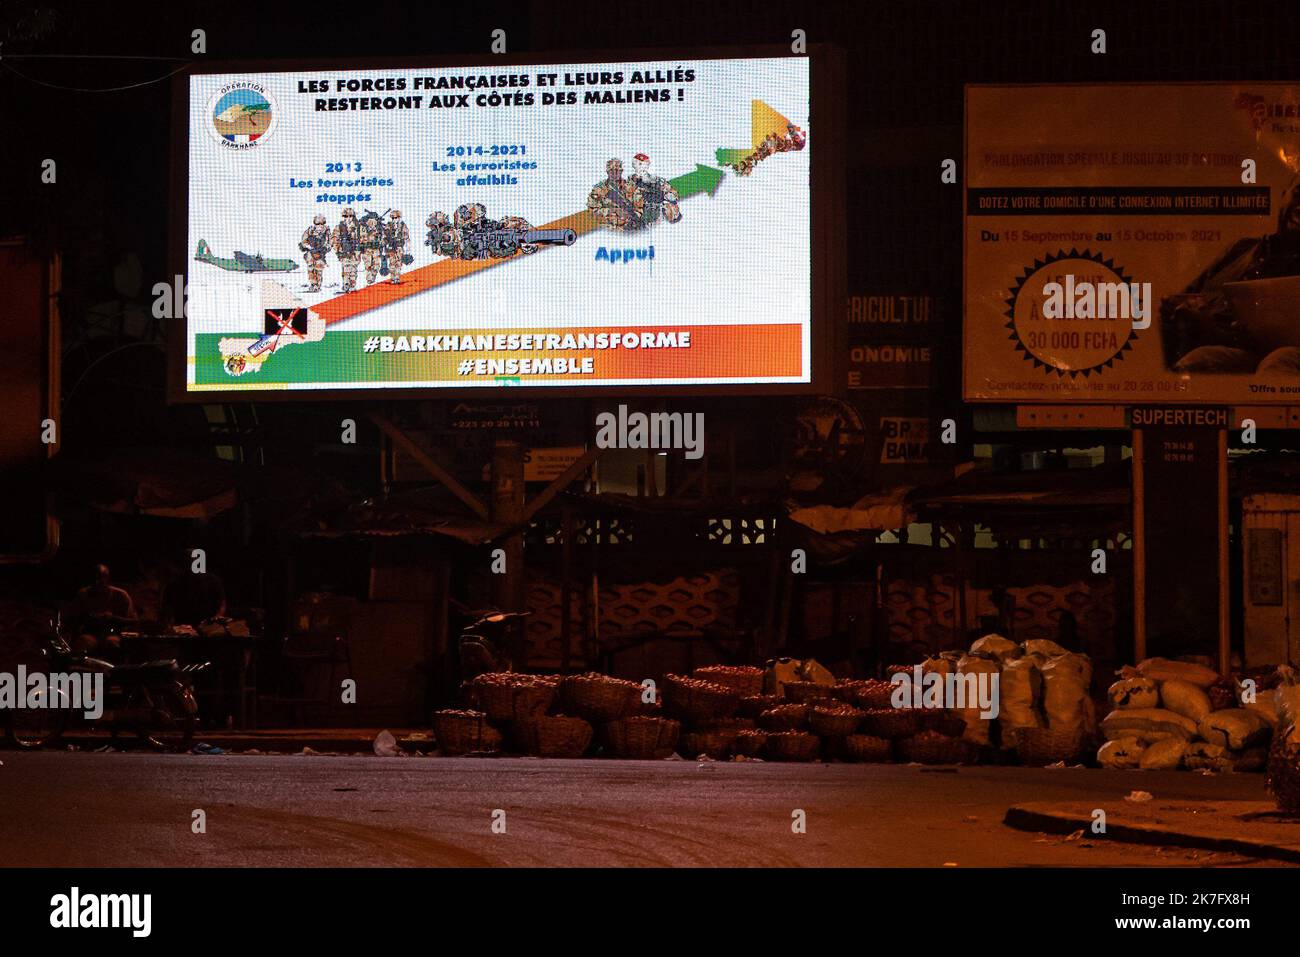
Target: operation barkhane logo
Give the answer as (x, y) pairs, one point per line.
(242, 115)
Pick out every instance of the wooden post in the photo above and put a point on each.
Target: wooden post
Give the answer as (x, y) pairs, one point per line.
(566, 590)
(1139, 551)
(776, 568)
(441, 661)
(508, 509)
(960, 612)
(731, 462)
(1225, 620)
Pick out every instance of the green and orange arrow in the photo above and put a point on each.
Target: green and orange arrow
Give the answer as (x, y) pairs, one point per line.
(702, 179)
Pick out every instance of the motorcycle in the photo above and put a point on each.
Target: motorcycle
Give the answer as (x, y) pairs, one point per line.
(485, 643)
(153, 700)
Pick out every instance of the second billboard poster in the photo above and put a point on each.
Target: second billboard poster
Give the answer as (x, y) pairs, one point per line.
(1133, 244)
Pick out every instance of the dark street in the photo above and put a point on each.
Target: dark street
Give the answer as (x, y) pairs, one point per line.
(98, 810)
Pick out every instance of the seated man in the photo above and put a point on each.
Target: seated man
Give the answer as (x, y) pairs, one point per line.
(96, 606)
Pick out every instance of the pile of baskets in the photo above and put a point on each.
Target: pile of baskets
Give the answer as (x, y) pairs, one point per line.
(554, 717)
(719, 712)
(516, 711)
(924, 736)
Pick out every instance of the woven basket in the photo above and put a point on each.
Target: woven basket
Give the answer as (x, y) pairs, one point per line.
(1284, 771)
(745, 680)
(890, 723)
(508, 696)
(846, 689)
(873, 694)
(554, 736)
(942, 721)
(715, 744)
(465, 732)
(865, 747)
(793, 746)
(750, 743)
(754, 706)
(784, 717)
(834, 722)
(1037, 747)
(931, 747)
(803, 692)
(642, 738)
(698, 701)
(599, 698)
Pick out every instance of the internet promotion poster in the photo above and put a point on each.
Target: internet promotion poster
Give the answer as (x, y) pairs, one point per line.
(1133, 243)
(614, 224)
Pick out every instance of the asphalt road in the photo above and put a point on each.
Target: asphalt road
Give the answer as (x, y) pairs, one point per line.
(128, 809)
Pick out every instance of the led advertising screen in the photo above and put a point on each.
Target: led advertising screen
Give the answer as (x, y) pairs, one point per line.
(1133, 244)
(622, 224)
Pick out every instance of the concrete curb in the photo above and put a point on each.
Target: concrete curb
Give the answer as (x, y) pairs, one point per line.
(1062, 819)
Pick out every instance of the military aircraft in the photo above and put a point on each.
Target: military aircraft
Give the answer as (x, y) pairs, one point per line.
(243, 262)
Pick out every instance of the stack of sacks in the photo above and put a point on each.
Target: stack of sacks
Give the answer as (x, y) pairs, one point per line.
(1162, 718)
(1040, 685)
(1283, 779)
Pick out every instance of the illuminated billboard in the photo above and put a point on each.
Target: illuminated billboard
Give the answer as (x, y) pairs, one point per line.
(618, 224)
(1133, 244)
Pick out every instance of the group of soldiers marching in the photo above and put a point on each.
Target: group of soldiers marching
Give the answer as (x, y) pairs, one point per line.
(382, 245)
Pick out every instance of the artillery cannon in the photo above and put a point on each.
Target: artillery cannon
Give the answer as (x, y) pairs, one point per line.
(473, 236)
(498, 242)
